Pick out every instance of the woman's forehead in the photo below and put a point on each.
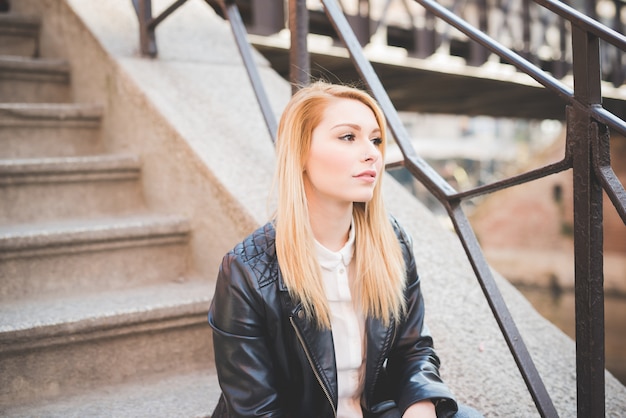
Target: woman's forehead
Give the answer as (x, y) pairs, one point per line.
(348, 111)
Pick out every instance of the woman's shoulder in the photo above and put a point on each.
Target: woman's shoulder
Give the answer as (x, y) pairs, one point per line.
(258, 243)
(257, 252)
(401, 233)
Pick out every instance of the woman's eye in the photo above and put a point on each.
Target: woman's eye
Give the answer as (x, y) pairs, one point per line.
(347, 137)
(377, 141)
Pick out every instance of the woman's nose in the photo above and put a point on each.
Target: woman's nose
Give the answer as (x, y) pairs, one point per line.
(371, 153)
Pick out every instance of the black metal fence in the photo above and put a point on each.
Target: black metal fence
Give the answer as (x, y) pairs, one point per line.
(587, 154)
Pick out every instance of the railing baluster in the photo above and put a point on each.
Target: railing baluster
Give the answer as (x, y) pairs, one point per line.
(239, 32)
(147, 41)
(299, 63)
(501, 313)
(588, 244)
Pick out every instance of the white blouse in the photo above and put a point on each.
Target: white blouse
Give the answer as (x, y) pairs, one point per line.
(347, 326)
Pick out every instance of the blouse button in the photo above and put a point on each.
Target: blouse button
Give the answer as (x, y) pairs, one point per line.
(341, 271)
(300, 314)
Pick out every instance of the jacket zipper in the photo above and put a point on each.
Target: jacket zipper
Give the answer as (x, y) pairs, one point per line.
(315, 371)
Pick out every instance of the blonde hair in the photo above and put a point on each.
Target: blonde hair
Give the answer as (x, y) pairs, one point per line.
(380, 270)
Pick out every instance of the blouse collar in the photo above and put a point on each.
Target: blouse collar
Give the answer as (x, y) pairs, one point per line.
(330, 259)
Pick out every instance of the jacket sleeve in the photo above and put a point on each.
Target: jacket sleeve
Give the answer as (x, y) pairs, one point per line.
(242, 358)
(413, 364)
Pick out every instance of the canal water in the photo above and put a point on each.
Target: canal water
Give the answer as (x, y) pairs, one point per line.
(559, 309)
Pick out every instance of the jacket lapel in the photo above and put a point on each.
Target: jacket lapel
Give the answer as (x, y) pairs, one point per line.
(379, 339)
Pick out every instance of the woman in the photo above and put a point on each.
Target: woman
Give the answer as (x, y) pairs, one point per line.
(319, 313)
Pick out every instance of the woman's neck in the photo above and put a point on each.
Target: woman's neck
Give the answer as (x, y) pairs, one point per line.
(331, 225)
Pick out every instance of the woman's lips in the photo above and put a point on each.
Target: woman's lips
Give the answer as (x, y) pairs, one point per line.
(367, 175)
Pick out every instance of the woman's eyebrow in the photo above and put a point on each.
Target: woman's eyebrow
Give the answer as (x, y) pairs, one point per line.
(355, 127)
(349, 125)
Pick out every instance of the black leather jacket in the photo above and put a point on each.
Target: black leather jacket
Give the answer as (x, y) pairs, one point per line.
(273, 362)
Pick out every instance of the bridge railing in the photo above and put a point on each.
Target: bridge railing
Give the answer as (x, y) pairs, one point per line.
(587, 153)
(523, 26)
(535, 33)
(532, 31)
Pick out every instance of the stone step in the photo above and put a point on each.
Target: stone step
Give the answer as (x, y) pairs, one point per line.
(63, 258)
(191, 395)
(51, 348)
(24, 79)
(44, 189)
(49, 129)
(19, 35)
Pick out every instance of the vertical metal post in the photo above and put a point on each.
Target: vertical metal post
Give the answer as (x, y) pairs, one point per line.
(299, 64)
(268, 17)
(360, 22)
(426, 41)
(478, 53)
(526, 22)
(618, 70)
(147, 42)
(561, 66)
(588, 245)
(590, 9)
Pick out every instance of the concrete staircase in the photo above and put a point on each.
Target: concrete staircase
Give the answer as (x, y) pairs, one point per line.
(101, 313)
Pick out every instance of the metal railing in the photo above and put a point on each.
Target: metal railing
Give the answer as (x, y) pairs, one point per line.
(587, 153)
(537, 34)
(525, 27)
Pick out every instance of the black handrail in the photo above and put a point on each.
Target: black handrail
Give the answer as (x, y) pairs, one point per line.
(239, 32)
(585, 22)
(147, 44)
(586, 153)
(593, 110)
(442, 190)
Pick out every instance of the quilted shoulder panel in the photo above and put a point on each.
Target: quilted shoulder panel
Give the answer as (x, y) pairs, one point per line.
(258, 252)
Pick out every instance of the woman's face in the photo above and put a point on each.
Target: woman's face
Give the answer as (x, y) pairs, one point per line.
(344, 161)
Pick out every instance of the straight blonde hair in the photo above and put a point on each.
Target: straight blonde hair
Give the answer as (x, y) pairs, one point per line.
(380, 271)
